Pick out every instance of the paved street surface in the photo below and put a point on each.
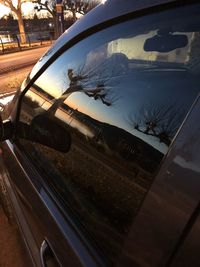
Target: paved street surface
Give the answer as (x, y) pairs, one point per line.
(21, 59)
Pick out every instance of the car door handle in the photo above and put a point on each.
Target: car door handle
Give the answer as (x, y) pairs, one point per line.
(47, 256)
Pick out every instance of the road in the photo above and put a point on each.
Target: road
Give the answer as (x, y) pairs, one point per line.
(21, 59)
(14, 67)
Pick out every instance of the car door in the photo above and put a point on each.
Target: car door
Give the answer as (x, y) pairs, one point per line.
(122, 97)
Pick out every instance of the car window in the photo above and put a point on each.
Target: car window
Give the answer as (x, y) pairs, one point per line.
(122, 94)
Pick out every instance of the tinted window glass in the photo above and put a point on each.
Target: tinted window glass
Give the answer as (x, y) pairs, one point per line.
(122, 94)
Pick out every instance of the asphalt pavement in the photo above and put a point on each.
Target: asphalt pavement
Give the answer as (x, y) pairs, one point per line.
(21, 59)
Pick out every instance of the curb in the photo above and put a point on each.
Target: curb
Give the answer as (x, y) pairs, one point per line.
(17, 67)
(23, 49)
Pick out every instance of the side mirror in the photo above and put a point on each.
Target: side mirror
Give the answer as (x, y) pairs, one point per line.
(46, 131)
(42, 130)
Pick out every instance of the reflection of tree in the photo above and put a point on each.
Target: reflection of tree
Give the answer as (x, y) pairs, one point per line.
(161, 122)
(83, 83)
(99, 93)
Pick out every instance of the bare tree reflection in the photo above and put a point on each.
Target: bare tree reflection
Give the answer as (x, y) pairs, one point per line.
(158, 121)
(78, 82)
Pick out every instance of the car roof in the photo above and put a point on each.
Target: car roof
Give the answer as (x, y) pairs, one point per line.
(106, 11)
(115, 8)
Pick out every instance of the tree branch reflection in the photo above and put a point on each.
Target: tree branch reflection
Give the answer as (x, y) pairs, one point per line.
(78, 82)
(161, 122)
